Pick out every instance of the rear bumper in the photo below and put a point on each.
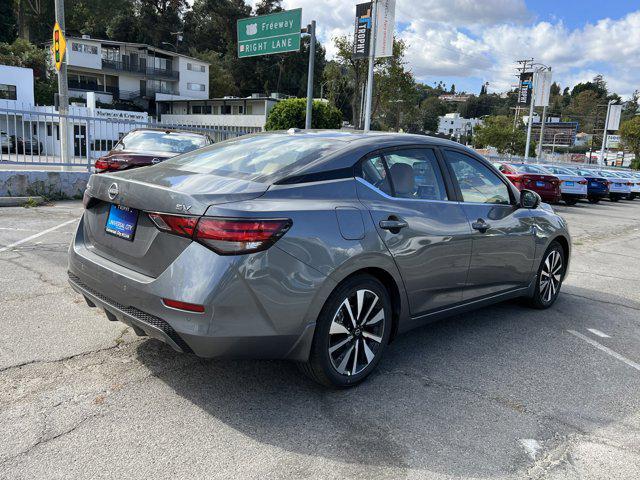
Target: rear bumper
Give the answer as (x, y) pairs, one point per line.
(550, 197)
(262, 305)
(573, 195)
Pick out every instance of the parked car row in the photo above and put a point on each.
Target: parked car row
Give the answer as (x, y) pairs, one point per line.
(148, 146)
(572, 183)
(17, 144)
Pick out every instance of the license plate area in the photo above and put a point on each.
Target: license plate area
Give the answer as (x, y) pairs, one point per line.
(541, 184)
(569, 184)
(122, 222)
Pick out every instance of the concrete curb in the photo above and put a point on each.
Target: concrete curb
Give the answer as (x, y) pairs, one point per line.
(19, 201)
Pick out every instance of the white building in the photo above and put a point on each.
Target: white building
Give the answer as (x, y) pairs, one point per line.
(16, 87)
(98, 128)
(133, 72)
(232, 113)
(454, 125)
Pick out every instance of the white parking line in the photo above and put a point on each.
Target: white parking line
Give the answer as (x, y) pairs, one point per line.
(598, 333)
(606, 350)
(28, 239)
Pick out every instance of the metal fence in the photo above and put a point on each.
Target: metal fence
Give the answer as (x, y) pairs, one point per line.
(32, 137)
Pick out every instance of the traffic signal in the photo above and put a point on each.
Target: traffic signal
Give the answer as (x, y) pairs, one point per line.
(59, 46)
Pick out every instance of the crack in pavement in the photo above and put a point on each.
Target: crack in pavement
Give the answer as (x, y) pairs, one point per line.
(70, 357)
(637, 309)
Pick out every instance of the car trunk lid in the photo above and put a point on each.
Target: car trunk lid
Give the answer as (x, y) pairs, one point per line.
(154, 189)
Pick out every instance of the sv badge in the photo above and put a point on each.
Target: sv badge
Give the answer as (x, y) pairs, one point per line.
(183, 208)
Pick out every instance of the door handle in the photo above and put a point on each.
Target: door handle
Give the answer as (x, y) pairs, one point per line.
(393, 224)
(480, 225)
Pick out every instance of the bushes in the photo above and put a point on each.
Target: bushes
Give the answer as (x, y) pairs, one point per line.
(290, 113)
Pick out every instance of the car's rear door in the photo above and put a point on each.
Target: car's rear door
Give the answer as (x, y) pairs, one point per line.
(427, 233)
(503, 234)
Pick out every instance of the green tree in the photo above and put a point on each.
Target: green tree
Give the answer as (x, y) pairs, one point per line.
(498, 132)
(8, 22)
(291, 113)
(630, 134)
(432, 108)
(22, 53)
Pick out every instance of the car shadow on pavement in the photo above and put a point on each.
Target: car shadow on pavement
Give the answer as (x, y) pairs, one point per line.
(456, 397)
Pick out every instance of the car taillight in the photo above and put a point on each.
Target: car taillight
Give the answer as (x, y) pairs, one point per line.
(176, 224)
(108, 165)
(225, 236)
(629, 184)
(230, 236)
(582, 182)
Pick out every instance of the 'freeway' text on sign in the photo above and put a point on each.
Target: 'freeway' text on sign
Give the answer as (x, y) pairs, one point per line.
(269, 34)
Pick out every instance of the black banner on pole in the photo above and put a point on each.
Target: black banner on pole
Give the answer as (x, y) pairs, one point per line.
(362, 30)
(525, 88)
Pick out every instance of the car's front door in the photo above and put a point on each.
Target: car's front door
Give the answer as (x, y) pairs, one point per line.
(503, 234)
(427, 234)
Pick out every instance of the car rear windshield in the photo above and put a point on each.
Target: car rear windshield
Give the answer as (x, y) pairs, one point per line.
(259, 158)
(161, 142)
(522, 168)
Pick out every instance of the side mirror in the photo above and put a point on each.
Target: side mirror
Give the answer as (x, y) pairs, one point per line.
(529, 199)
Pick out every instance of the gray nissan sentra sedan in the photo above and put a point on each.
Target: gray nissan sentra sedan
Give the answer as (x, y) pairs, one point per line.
(314, 246)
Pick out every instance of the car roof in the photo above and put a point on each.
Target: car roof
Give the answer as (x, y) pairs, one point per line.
(167, 130)
(355, 144)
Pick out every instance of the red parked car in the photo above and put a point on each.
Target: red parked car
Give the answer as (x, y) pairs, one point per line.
(532, 177)
(148, 146)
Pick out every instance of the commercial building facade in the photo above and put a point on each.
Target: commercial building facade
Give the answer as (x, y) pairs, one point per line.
(249, 114)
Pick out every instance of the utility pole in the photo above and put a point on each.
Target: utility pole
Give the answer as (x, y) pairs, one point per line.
(63, 95)
(522, 69)
(530, 122)
(372, 60)
(311, 30)
(604, 135)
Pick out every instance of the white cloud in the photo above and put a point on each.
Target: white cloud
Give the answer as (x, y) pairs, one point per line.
(484, 38)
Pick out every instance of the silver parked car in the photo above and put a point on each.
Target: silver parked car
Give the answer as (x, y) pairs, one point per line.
(314, 246)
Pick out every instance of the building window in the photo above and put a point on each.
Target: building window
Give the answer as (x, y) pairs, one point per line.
(195, 68)
(83, 48)
(201, 109)
(197, 87)
(8, 92)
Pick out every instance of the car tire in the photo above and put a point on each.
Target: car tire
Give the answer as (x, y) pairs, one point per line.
(593, 200)
(351, 333)
(614, 199)
(570, 201)
(549, 278)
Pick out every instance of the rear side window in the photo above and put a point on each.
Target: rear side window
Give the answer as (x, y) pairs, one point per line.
(477, 182)
(415, 174)
(257, 157)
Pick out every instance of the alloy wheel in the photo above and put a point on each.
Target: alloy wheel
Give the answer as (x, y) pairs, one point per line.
(356, 332)
(550, 276)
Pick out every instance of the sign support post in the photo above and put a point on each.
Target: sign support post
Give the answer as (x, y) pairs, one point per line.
(311, 30)
(372, 61)
(63, 84)
(604, 135)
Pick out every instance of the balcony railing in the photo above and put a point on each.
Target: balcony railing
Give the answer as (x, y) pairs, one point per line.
(135, 67)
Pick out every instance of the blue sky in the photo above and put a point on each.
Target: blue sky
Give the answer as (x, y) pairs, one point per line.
(468, 42)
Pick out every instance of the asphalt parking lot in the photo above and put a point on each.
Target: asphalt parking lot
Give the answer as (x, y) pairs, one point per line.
(504, 392)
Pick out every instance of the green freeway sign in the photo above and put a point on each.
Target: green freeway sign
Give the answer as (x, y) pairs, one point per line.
(269, 34)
